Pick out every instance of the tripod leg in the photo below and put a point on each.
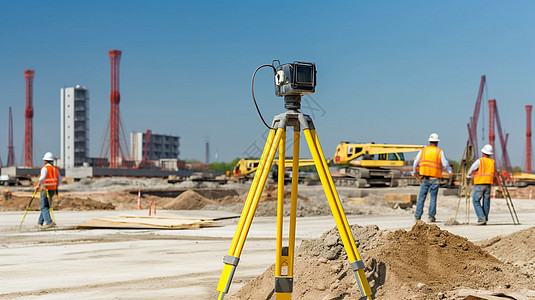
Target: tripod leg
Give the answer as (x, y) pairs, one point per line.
(285, 255)
(509, 202)
(28, 208)
(281, 260)
(357, 265)
(231, 260)
(50, 207)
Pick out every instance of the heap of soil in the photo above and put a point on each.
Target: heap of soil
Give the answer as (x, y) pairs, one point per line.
(517, 249)
(423, 263)
(17, 203)
(188, 200)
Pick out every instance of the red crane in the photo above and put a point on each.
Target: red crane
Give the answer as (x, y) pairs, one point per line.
(505, 163)
(28, 136)
(10, 148)
(472, 127)
(115, 98)
(528, 139)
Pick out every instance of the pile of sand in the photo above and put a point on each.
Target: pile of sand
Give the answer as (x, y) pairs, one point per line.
(517, 249)
(188, 200)
(423, 263)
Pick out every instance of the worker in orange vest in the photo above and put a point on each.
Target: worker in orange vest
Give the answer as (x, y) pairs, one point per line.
(483, 174)
(50, 179)
(428, 163)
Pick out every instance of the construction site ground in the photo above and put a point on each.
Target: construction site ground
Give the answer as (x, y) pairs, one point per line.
(404, 259)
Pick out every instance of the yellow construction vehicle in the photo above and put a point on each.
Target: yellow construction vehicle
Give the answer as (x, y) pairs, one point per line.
(245, 168)
(370, 164)
(521, 179)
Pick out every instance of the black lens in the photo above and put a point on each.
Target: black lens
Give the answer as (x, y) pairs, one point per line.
(304, 74)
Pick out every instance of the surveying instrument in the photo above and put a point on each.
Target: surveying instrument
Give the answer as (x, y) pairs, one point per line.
(466, 187)
(291, 82)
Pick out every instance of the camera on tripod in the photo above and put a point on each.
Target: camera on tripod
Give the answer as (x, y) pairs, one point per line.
(295, 79)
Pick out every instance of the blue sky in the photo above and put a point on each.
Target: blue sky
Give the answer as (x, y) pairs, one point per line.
(388, 71)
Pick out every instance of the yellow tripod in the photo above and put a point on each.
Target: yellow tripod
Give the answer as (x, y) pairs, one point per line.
(285, 255)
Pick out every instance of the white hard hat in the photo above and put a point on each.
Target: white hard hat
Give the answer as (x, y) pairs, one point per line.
(48, 156)
(433, 137)
(487, 149)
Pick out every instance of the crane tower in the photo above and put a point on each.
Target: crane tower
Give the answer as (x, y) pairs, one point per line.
(115, 98)
(28, 136)
(10, 148)
(528, 138)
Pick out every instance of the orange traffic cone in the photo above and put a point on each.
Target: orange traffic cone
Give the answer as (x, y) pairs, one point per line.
(139, 199)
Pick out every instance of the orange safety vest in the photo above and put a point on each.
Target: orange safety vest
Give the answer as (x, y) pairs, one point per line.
(51, 179)
(430, 162)
(485, 172)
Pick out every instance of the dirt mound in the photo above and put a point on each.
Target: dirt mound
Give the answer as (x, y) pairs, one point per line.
(64, 203)
(188, 200)
(230, 199)
(517, 249)
(423, 263)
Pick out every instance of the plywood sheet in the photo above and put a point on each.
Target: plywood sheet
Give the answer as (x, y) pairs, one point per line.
(140, 222)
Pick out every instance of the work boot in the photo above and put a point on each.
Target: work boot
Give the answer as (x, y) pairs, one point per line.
(432, 219)
(39, 225)
(481, 223)
(49, 225)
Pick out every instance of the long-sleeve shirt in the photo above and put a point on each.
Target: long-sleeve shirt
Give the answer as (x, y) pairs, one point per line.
(473, 168)
(443, 159)
(43, 174)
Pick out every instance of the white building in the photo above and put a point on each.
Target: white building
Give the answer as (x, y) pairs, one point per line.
(74, 126)
(159, 146)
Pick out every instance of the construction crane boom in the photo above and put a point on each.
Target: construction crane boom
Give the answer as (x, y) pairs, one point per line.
(472, 126)
(10, 148)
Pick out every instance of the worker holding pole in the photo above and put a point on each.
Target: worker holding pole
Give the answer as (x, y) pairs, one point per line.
(49, 179)
(483, 170)
(428, 164)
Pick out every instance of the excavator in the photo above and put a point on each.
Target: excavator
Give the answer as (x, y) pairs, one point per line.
(370, 164)
(245, 168)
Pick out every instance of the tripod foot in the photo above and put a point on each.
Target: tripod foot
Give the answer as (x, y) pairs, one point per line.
(231, 262)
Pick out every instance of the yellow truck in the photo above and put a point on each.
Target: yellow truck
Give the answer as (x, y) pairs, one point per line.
(245, 168)
(370, 164)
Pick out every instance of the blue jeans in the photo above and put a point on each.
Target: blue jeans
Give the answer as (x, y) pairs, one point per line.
(45, 207)
(481, 193)
(430, 186)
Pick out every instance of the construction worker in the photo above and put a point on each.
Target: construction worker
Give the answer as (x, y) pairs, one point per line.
(428, 164)
(49, 179)
(483, 170)
(7, 194)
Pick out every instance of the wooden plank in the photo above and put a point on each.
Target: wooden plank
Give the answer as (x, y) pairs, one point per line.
(196, 218)
(147, 222)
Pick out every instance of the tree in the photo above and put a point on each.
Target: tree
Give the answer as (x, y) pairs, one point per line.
(223, 167)
(454, 165)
